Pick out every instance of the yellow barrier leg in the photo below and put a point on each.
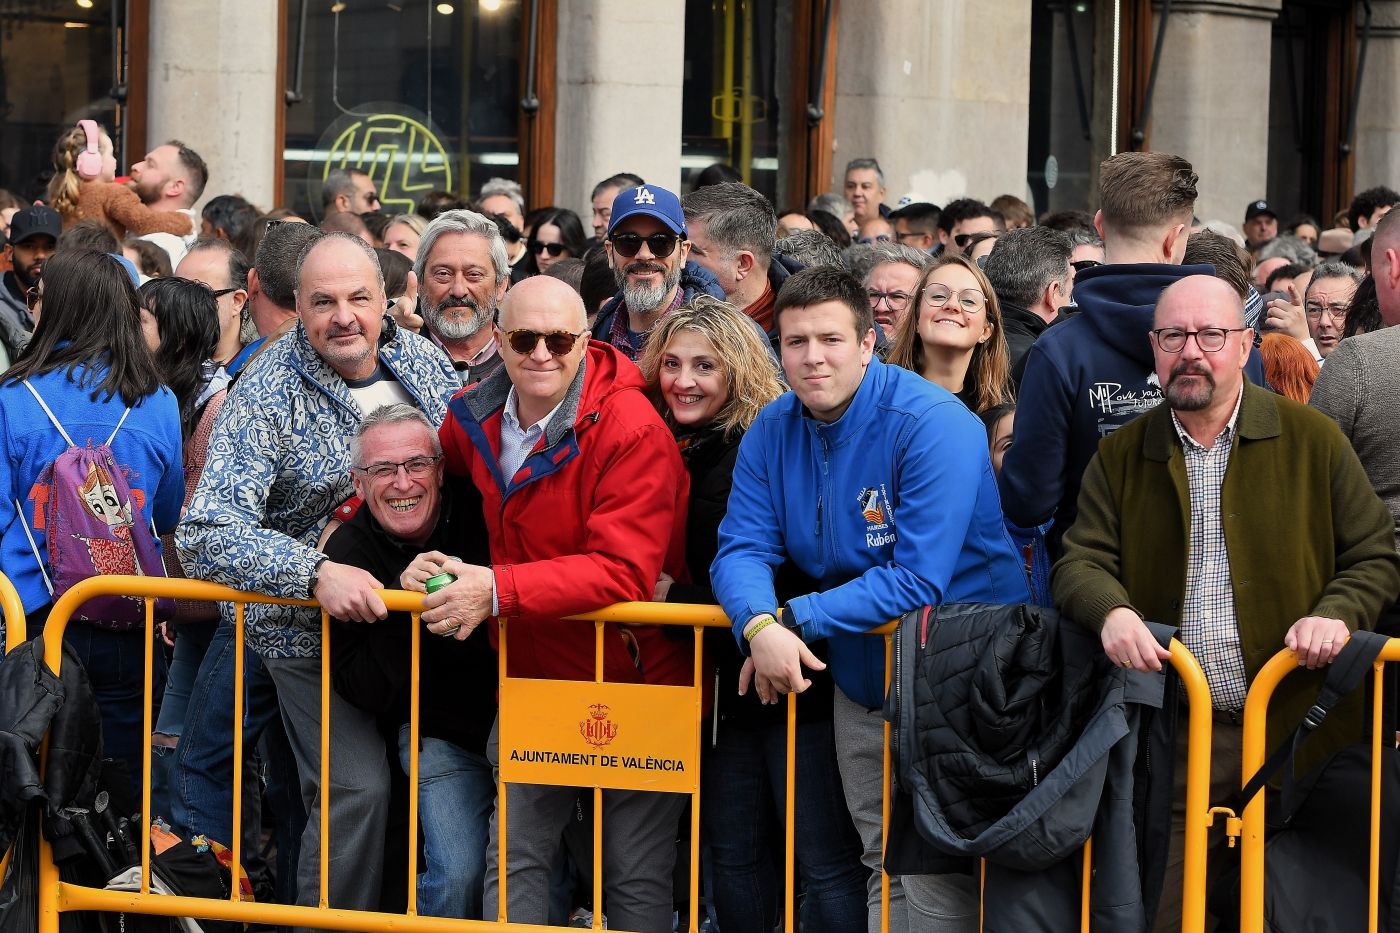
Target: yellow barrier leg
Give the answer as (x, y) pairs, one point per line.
(1374, 886)
(146, 747)
(885, 788)
(236, 843)
(323, 792)
(500, 784)
(790, 814)
(415, 655)
(698, 683)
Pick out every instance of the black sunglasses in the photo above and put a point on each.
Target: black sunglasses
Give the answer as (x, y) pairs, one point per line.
(557, 342)
(555, 249)
(630, 244)
(1079, 265)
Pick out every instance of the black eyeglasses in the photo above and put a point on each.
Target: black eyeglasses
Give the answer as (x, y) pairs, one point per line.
(1209, 339)
(895, 301)
(32, 297)
(630, 244)
(1079, 265)
(554, 249)
(557, 342)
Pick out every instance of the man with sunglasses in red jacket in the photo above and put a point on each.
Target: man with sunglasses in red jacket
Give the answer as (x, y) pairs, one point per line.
(584, 495)
(649, 252)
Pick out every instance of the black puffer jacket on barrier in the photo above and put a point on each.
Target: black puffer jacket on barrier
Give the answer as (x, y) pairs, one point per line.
(33, 701)
(1015, 739)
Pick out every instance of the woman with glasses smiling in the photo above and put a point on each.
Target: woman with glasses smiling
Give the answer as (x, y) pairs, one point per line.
(955, 338)
(556, 234)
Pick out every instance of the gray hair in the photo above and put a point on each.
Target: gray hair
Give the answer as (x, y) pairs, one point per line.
(506, 187)
(1287, 246)
(859, 258)
(1025, 261)
(1083, 236)
(399, 413)
(312, 245)
(834, 204)
(882, 252)
(1334, 269)
(856, 164)
(736, 217)
(808, 248)
(462, 220)
(338, 181)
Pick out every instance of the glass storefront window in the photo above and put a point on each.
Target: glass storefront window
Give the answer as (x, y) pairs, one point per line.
(1059, 152)
(730, 104)
(55, 69)
(420, 94)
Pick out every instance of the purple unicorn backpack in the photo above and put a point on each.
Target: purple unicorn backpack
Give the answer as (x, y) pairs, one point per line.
(94, 527)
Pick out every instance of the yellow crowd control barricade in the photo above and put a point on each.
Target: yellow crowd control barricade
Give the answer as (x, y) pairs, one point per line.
(569, 733)
(1256, 709)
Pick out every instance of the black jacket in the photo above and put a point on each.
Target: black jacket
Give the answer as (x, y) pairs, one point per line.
(370, 664)
(1015, 740)
(1022, 329)
(33, 702)
(709, 458)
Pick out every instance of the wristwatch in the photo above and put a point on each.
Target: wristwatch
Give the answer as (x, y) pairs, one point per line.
(315, 577)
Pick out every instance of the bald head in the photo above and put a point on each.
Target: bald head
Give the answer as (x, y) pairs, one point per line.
(1385, 266)
(1202, 292)
(542, 293)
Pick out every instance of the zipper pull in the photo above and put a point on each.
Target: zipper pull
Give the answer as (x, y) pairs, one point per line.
(819, 516)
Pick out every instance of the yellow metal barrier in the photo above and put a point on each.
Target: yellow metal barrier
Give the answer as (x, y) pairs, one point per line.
(1256, 710)
(56, 897)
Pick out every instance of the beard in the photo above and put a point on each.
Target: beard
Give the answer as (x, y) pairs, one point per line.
(1190, 396)
(643, 298)
(454, 327)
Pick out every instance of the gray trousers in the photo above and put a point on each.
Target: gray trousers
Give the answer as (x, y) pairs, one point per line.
(918, 903)
(359, 792)
(639, 852)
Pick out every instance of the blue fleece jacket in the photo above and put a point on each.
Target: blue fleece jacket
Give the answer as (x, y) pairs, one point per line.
(892, 506)
(148, 447)
(1084, 379)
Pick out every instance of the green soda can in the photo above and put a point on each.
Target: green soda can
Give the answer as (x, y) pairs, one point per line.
(438, 582)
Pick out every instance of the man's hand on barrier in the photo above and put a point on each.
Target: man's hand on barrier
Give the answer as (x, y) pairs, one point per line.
(424, 567)
(1317, 641)
(349, 593)
(1128, 643)
(458, 608)
(775, 664)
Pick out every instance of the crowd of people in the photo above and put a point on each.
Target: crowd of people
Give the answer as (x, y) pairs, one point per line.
(818, 418)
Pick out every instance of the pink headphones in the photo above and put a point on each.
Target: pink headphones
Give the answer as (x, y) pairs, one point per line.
(89, 164)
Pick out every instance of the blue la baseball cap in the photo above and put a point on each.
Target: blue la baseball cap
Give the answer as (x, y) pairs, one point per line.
(652, 201)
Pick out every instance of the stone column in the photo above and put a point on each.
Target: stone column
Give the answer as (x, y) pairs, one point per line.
(213, 85)
(938, 91)
(1211, 104)
(619, 95)
(1378, 116)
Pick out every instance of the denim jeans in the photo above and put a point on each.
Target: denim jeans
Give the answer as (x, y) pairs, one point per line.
(191, 641)
(456, 794)
(742, 787)
(201, 794)
(116, 665)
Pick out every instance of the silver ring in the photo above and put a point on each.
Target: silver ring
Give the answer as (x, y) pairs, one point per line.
(1327, 641)
(452, 631)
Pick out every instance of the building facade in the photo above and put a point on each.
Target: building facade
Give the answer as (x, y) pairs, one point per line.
(1294, 100)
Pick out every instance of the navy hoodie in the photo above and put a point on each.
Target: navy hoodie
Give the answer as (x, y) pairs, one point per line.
(1084, 379)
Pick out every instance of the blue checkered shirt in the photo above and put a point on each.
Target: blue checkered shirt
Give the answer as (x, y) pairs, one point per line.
(1209, 628)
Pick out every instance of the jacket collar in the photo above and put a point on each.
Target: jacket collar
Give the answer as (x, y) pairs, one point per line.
(1015, 315)
(1259, 419)
(314, 368)
(491, 393)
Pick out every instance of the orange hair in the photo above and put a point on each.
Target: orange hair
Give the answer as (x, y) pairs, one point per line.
(1288, 366)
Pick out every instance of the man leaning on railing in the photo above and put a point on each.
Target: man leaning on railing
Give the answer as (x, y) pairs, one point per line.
(278, 465)
(818, 480)
(1240, 516)
(585, 497)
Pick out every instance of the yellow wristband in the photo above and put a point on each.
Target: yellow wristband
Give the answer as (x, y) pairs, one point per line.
(762, 624)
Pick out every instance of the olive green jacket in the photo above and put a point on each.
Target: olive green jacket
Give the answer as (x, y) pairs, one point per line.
(1305, 532)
